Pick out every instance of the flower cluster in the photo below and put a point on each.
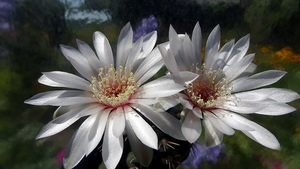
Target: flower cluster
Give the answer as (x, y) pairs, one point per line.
(223, 93)
(120, 102)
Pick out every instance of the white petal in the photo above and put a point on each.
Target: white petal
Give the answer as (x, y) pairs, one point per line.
(249, 71)
(169, 60)
(277, 94)
(64, 109)
(165, 103)
(89, 54)
(186, 103)
(161, 87)
(176, 50)
(141, 152)
(46, 81)
(212, 46)
(149, 42)
(78, 61)
(61, 98)
(149, 67)
(96, 131)
(146, 52)
(103, 49)
(141, 128)
(236, 69)
(124, 44)
(171, 64)
(222, 58)
(262, 136)
(112, 146)
(77, 155)
(218, 124)
(62, 122)
(151, 72)
(244, 107)
(198, 112)
(258, 80)
(188, 77)
(213, 136)
(276, 109)
(172, 32)
(189, 52)
(119, 121)
(191, 127)
(135, 53)
(163, 120)
(280, 95)
(234, 120)
(197, 46)
(67, 80)
(76, 148)
(239, 50)
(254, 95)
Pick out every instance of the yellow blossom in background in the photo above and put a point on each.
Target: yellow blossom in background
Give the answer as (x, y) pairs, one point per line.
(287, 54)
(266, 49)
(280, 58)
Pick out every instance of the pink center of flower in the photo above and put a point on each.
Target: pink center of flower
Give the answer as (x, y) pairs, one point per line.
(209, 89)
(113, 87)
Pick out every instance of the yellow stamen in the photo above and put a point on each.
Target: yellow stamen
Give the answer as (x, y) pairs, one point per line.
(209, 89)
(114, 87)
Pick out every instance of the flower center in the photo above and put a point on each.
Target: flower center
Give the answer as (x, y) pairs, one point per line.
(209, 89)
(113, 87)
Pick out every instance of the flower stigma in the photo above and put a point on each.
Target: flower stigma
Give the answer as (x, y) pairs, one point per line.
(113, 87)
(209, 89)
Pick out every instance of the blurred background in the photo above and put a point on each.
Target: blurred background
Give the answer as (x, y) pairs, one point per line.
(31, 31)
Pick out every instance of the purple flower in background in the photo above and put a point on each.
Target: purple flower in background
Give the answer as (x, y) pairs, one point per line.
(6, 9)
(199, 154)
(146, 26)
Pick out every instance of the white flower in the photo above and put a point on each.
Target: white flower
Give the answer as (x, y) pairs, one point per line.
(114, 97)
(223, 89)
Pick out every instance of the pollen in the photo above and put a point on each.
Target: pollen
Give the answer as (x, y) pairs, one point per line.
(113, 87)
(209, 89)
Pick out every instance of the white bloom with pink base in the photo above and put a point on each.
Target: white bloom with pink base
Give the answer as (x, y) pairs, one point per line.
(223, 93)
(114, 96)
